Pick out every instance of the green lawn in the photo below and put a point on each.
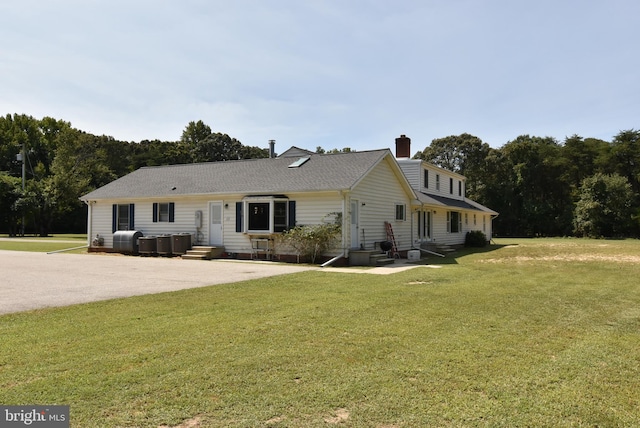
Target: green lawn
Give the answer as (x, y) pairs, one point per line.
(44, 245)
(539, 333)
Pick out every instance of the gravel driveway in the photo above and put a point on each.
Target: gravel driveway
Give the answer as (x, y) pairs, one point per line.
(37, 280)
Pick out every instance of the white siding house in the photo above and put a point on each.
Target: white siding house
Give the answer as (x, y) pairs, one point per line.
(231, 204)
(444, 214)
(235, 203)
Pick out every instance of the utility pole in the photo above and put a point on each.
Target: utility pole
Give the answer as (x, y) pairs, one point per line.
(21, 157)
(24, 180)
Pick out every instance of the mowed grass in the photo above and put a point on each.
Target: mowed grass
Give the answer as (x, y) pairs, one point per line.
(542, 333)
(43, 245)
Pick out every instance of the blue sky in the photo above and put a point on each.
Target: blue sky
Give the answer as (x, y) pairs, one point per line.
(330, 73)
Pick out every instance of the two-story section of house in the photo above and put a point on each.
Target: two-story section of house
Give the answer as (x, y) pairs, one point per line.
(443, 214)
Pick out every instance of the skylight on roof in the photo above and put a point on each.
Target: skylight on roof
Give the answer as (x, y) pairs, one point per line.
(299, 162)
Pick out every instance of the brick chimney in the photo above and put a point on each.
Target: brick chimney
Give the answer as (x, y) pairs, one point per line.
(403, 147)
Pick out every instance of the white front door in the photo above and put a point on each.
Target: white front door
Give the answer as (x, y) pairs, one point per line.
(215, 223)
(355, 224)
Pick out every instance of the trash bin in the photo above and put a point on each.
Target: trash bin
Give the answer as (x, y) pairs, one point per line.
(126, 241)
(163, 245)
(147, 245)
(181, 243)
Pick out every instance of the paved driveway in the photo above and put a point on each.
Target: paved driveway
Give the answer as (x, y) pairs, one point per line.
(38, 280)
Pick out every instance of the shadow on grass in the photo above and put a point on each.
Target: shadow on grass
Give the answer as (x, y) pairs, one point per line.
(452, 258)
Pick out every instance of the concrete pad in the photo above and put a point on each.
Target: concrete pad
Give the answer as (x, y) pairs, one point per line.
(399, 266)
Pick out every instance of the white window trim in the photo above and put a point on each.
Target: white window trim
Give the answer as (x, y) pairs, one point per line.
(404, 211)
(450, 221)
(262, 200)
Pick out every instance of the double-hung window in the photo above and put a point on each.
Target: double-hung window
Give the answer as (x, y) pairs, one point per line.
(454, 222)
(122, 217)
(401, 212)
(164, 212)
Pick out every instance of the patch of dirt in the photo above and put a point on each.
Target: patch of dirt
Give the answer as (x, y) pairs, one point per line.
(275, 420)
(190, 423)
(567, 258)
(341, 415)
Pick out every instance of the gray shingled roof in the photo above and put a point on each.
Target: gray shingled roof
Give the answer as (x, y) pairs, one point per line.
(467, 204)
(253, 176)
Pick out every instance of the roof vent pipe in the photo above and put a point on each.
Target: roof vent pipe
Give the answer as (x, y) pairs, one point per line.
(403, 147)
(272, 149)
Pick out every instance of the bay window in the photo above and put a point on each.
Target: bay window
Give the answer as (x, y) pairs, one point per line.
(265, 215)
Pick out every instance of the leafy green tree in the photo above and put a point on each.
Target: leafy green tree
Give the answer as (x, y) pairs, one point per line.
(605, 207)
(156, 152)
(10, 193)
(253, 152)
(584, 157)
(625, 152)
(465, 154)
(334, 151)
(221, 147)
(541, 201)
(206, 146)
(194, 133)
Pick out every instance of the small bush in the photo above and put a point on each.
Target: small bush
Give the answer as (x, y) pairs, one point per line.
(475, 238)
(311, 241)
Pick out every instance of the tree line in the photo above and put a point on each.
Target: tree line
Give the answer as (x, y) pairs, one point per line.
(62, 163)
(540, 186)
(543, 187)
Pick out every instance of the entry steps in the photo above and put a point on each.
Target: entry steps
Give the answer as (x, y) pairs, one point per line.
(442, 249)
(381, 260)
(201, 252)
(369, 258)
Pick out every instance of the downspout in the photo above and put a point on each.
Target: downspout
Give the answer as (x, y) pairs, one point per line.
(346, 237)
(430, 252)
(345, 221)
(332, 261)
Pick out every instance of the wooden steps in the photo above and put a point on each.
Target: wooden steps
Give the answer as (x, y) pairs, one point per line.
(201, 252)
